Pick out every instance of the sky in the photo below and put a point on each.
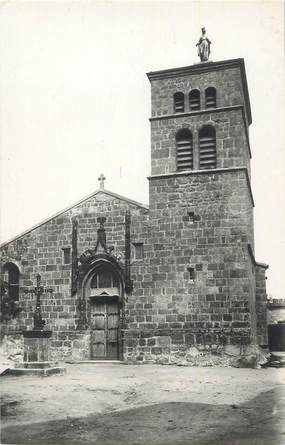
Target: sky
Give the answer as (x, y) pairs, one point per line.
(75, 102)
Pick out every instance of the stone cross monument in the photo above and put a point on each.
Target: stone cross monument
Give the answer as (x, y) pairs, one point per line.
(39, 290)
(37, 341)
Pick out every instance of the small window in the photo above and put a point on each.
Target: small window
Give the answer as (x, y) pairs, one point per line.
(138, 251)
(194, 100)
(207, 147)
(178, 102)
(66, 252)
(184, 150)
(11, 278)
(191, 271)
(211, 97)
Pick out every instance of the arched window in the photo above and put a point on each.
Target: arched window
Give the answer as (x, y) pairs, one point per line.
(11, 277)
(184, 150)
(178, 102)
(211, 97)
(194, 100)
(207, 147)
(104, 278)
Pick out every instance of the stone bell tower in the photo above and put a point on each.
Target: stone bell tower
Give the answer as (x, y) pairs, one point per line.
(200, 258)
(212, 94)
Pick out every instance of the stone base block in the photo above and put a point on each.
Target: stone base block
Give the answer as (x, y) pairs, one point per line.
(41, 372)
(95, 362)
(36, 348)
(35, 365)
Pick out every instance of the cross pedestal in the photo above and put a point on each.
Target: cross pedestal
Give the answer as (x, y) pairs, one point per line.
(36, 346)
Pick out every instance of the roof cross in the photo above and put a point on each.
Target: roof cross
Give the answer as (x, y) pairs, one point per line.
(101, 179)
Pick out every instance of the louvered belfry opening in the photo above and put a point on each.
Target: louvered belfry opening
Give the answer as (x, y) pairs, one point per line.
(194, 100)
(211, 97)
(184, 146)
(207, 147)
(178, 102)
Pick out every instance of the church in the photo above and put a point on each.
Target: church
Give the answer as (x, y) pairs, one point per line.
(177, 281)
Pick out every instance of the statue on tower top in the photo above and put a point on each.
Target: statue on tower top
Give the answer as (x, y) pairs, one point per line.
(204, 46)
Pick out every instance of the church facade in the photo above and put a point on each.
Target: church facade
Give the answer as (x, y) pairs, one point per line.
(175, 281)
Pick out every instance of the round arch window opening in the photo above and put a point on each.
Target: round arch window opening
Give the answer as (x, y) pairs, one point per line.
(104, 282)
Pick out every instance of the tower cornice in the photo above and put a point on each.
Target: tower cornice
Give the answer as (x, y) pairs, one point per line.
(211, 171)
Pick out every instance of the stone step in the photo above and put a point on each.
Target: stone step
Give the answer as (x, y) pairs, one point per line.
(35, 365)
(95, 362)
(276, 364)
(41, 372)
(277, 355)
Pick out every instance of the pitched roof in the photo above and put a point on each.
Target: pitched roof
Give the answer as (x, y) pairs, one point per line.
(106, 192)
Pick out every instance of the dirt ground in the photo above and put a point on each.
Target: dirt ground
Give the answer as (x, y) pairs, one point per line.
(108, 404)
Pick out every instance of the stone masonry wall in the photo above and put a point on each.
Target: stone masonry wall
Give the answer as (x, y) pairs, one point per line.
(168, 311)
(70, 345)
(261, 305)
(227, 82)
(231, 142)
(40, 251)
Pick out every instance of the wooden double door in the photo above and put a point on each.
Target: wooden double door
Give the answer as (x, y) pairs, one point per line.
(105, 322)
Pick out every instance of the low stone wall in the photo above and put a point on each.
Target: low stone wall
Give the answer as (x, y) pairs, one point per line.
(261, 306)
(163, 350)
(65, 345)
(70, 345)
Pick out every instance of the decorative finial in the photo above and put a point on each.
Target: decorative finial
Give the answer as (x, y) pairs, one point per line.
(204, 46)
(101, 179)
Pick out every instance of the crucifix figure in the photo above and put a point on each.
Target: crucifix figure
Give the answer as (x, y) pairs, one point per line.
(101, 179)
(38, 291)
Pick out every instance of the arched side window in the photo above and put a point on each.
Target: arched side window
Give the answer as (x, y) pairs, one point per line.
(184, 149)
(211, 97)
(11, 277)
(194, 100)
(178, 102)
(207, 147)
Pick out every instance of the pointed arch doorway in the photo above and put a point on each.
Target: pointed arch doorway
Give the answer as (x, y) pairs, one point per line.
(104, 291)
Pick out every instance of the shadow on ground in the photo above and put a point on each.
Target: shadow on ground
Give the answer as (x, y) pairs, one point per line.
(257, 422)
